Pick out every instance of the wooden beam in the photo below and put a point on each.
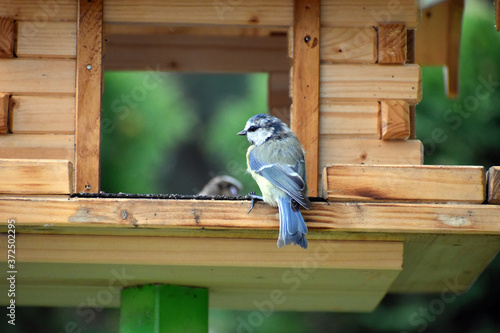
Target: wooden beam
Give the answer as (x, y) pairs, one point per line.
(6, 37)
(304, 118)
(357, 283)
(371, 82)
(29, 146)
(354, 151)
(349, 119)
(416, 183)
(391, 43)
(4, 113)
(348, 45)
(37, 76)
(494, 185)
(197, 53)
(395, 120)
(36, 176)
(39, 12)
(202, 218)
(429, 231)
(209, 13)
(38, 114)
(51, 39)
(88, 95)
(366, 14)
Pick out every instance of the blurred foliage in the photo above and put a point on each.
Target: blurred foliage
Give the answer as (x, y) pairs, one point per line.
(171, 133)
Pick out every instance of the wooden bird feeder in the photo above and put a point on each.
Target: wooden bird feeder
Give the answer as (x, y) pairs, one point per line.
(348, 87)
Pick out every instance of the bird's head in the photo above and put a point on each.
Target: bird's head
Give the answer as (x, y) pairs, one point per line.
(262, 127)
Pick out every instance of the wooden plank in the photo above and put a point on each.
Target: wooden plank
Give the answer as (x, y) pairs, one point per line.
(207, 12)
(37, 76)
(38, 12)
(88, 96)
(197, 53)
(52, 39)
(278, 97)
(494, 185)
(339, 289)
(36, 176)
(348, 45)
(435, 235)
(38, 114)
(395, 120)
(416, 183)
(24, 146)
(4, 113)
(203, 218)
(353, 151)
(200, 12)
(6, 37)
(349, 119)
(391, 43)
(371, 82)
(304, 119)
(343, 13)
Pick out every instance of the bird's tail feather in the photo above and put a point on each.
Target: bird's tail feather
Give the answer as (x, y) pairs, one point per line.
(293, 229)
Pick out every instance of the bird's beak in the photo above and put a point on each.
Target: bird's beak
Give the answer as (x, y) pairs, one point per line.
(242, 132)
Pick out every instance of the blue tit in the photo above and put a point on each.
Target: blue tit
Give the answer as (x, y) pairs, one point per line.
(275, 160)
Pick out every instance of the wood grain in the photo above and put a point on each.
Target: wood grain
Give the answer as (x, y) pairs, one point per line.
(349, 119)
(200, 53)
(348, 45)
(38, 12)
(341, 13)
(88, 96)
(337, 268)
(6, 37)
(395, 120)
(4, 113)
(52, 39)
(38, 114)
(422, 183)
(36, 176)
(37, 76)
(354, 151)
(494, 185)
(33, 146)
(304, 119)
(391, 43)
(207, 12)
(371, 82)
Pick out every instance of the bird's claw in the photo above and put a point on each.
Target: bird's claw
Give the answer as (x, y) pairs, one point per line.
(252, 202)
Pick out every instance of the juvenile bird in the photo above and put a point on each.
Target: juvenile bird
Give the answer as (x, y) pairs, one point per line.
(275, 160)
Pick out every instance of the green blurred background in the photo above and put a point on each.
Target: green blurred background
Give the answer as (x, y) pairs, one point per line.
(171, 133)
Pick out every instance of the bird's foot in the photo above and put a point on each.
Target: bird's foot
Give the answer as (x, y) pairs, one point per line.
(253, 196)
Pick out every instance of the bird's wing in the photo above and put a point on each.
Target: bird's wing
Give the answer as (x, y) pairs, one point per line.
(284, 176)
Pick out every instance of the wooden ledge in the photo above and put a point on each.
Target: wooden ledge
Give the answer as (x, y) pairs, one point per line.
(181, 241)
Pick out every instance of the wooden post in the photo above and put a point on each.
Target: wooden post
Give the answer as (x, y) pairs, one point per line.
(88, 94)
(305, 87)
(163, 308)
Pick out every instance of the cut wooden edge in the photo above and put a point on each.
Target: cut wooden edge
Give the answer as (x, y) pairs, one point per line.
(405, 183)
(4, 113)
(494, 185)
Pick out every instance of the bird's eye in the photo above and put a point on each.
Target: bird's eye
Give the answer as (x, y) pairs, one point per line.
(252, 129)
